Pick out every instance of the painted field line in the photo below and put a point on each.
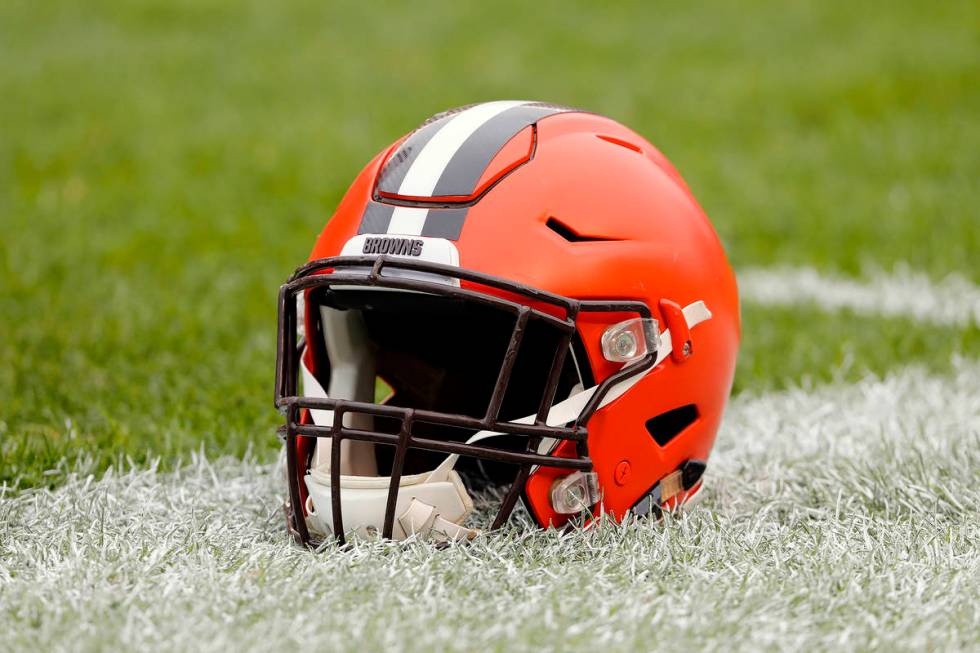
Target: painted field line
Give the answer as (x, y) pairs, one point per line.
(903, 293)
(854, 421)
(196, 559)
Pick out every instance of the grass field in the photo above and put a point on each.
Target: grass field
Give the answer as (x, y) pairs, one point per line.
(164, 166)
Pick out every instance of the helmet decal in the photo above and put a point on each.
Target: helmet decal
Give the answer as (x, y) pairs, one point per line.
(474, 155)
(418, 177)
(376, 218)
(381, 218)
(446, 158)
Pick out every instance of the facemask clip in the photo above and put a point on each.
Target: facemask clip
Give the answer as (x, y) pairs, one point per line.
(630, 340)
(574, 493)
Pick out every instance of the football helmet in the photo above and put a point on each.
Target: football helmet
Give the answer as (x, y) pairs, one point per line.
(516, 295)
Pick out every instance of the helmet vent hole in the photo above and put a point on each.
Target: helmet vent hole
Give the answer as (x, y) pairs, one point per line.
(667, 426)
(620, 142)
(571, 235)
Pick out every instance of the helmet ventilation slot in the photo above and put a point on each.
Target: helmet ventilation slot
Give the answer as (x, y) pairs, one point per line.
(667, 426)
(620, 142)
(571, 235)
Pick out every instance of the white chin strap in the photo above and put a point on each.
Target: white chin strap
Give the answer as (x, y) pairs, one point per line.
(432, 504)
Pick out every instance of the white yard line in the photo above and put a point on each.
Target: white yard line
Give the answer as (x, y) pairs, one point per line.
(855, 421)
(861, 497)
(902, 293)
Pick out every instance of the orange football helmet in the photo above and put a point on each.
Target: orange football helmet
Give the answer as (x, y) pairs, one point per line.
(544, 303)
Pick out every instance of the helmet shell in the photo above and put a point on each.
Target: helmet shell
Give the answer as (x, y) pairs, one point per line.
(583, 207)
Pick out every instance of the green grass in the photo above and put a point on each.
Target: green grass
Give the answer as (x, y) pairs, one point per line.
(163, 166)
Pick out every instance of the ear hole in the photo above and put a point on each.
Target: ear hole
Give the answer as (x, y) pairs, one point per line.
(570, 234)
(667, 426)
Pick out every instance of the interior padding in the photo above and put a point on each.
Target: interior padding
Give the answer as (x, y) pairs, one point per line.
(351, 377)
(437, 353)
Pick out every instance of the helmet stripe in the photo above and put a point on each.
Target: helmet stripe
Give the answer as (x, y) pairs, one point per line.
(472, 158)
(403, 158)
(423, 175)
(446, 156)
(407, 220)
(444, 223)
(376, 218)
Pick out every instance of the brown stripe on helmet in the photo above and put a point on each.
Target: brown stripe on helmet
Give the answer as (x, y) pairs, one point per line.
(444, 223)
(376, 218)
(468, 164)
(399, 162)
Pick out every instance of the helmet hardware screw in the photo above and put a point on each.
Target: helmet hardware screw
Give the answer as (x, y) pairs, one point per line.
(625, 345)
(622, 472)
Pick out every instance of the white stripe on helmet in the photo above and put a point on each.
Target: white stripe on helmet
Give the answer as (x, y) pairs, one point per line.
(422, 177)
